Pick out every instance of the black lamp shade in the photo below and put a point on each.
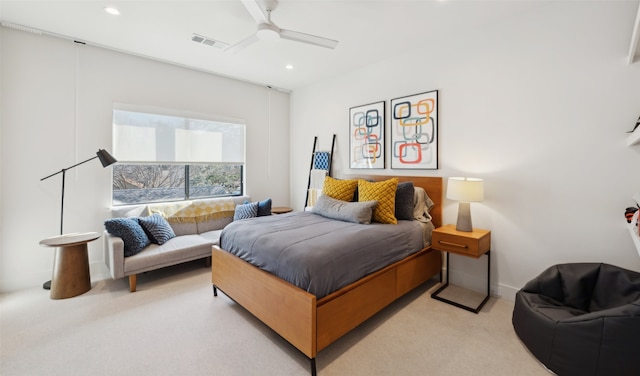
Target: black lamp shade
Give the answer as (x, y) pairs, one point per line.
(105, 158)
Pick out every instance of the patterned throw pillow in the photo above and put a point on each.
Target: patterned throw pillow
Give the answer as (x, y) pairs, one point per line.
(264, 207)
(339, 189)
(245, 211)
(157, 228)
(385, 193)
(131, 233)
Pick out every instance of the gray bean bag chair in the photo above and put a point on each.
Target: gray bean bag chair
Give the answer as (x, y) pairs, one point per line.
(582, 319)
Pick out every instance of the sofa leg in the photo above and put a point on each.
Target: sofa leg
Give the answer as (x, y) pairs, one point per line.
(207, 262)
(133, 279)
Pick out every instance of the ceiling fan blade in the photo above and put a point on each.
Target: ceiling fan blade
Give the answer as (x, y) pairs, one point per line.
(308, 38)
(242, 44)
(255, 11)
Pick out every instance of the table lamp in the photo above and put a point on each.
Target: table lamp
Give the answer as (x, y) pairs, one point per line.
(465, 191)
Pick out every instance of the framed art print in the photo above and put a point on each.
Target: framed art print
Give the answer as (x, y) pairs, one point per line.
(366, 136)
(414, 131)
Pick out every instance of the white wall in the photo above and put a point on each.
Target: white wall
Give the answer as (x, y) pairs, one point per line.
(54, 115)
(538, 106)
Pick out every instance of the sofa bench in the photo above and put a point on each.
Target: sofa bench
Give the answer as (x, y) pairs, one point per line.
(197, 225)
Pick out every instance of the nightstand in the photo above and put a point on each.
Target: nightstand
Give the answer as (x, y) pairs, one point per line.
(471, 244)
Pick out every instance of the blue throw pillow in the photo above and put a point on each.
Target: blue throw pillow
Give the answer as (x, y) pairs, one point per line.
(245, 211)
(264, 207)
(157, 228)
(131, 233)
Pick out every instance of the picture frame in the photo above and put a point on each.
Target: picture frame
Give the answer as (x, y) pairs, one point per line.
(414, 131)
(367, 136)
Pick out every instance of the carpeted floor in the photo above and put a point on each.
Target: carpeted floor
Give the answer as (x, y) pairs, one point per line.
(174, 326)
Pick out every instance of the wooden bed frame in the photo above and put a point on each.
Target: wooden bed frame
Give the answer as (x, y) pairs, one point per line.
(310, 324)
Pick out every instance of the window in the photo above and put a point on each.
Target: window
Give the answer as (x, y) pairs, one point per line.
(167, 156)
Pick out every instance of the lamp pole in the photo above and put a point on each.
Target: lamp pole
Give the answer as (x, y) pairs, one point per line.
(64, 173)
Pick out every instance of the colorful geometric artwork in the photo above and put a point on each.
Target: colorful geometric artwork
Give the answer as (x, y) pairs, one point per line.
(414, 131)
(366, 136)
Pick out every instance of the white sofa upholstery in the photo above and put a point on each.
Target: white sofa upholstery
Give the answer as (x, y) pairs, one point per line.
(196, 232)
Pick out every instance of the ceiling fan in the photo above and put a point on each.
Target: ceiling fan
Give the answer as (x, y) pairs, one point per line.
(267, 30)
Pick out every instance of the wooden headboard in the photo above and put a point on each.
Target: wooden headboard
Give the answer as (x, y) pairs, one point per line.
(431, 184)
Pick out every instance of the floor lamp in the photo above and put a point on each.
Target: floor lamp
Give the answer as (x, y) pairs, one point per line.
(105, 158)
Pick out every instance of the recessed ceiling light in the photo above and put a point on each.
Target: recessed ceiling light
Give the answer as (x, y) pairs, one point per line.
(289, 66)
(112, 11)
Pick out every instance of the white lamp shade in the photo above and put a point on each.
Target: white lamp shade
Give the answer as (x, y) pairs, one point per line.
(465, 189)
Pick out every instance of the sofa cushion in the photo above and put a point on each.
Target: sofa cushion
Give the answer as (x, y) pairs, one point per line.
(212, 236)
(132, 234)
(213, 214)
(179, 249)
(208, 209)
(213, 224)
(157, 228)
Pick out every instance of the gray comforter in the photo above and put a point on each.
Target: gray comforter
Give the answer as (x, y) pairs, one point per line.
(318, 254)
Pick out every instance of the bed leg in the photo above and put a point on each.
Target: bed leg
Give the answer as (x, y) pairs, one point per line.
(313, 367)
(215, 290)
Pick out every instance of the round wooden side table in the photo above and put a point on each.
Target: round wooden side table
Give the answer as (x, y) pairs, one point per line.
(280, 209)
(71, 264)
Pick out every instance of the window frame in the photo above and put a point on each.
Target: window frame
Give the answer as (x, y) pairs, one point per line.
(193, 122)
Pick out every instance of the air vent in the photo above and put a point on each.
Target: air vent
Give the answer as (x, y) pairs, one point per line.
(209, 42)
(21, 28)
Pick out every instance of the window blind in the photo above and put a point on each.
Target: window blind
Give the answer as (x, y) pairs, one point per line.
(149, 134)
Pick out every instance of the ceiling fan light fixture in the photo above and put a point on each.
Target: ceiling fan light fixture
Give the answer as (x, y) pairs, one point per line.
(268, 32)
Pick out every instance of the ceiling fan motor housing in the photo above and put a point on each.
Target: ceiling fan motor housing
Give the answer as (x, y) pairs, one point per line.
(268, 32)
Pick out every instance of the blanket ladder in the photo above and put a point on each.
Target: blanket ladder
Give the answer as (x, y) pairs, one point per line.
(319, 168)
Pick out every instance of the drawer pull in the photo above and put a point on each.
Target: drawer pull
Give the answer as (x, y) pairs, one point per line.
(453, 244)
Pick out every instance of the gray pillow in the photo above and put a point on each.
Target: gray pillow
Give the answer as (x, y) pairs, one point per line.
(357, 212)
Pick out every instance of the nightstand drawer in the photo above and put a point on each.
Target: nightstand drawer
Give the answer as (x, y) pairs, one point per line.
(475, 243)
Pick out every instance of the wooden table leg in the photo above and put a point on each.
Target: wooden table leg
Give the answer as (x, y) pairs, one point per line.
(70, 272)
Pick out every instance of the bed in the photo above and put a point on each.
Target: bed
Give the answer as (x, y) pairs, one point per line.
(310, 323)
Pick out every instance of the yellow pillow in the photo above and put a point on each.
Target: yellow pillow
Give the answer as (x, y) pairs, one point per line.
(385, 193)
(339, 189)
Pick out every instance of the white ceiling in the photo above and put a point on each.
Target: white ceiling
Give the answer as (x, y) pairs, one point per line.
(367, 31)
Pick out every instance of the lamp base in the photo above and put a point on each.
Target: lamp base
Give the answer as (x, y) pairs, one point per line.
(464, 217)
